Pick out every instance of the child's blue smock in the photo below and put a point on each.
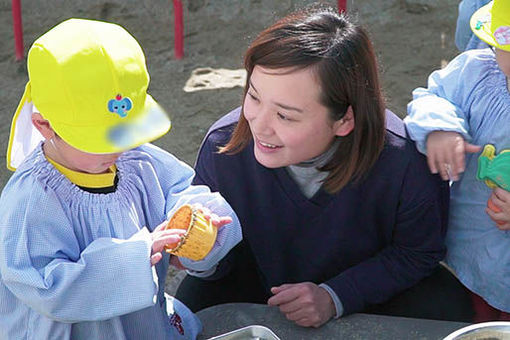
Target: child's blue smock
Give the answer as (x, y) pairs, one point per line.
(470, 96)
(77, 265)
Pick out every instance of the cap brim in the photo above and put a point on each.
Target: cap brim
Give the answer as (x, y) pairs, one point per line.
(147, 126)
(481, 25)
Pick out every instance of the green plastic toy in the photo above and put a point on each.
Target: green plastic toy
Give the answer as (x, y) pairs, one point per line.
(494, 169)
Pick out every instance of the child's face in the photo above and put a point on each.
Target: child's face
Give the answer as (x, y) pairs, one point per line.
(503, 59)
(77, 160)
(288, 123)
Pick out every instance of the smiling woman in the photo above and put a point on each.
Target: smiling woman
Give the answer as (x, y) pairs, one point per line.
(338, 209)
(286, 134)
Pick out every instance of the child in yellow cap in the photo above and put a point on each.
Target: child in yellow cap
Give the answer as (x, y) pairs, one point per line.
(466, 106)
(82, 218)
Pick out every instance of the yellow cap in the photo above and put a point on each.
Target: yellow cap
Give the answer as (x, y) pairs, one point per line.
(89, 80)
(491, 23)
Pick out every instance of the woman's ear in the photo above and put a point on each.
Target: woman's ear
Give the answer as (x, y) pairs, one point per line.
(42, 125)
(345, 125)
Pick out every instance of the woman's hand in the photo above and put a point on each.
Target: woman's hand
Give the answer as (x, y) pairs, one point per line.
(162, 237)
(446, 153)
(501, 199)
(305, 303)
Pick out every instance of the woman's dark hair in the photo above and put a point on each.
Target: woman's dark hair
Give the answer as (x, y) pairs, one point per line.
(341, 56)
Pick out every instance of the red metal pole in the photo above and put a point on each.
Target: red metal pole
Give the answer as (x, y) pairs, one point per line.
(178, 30)
(18, 29)
(342, 6)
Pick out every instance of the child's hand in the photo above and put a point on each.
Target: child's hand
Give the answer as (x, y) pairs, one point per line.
(501, 199)
(217, 221)
(162, 237)
(446, 153)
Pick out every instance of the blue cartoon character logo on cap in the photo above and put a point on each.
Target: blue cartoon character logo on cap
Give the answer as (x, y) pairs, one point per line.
(120, 105)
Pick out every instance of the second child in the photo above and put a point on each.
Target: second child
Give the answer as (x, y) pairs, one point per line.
(466, 106)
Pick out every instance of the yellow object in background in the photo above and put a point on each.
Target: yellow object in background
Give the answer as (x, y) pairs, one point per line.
(491, 23)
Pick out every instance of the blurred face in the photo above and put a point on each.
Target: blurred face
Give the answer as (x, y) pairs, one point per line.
(288, 123)
(64, 154)
(503, 59)
(77, 160)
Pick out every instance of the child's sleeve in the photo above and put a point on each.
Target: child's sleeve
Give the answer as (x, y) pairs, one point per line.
(181, 192)
(442, 105)
(44, 267)
(228, 236)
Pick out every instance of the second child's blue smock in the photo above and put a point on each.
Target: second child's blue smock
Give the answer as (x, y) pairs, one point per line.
(470, 96)
(465, 39)
(77, 265)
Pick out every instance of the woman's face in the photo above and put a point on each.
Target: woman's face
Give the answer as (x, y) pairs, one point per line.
(288, 123)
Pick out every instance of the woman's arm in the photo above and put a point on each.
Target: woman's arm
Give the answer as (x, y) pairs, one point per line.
(416, 248)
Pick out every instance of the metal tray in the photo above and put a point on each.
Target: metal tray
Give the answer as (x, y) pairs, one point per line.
(497, 330)
(254, 332)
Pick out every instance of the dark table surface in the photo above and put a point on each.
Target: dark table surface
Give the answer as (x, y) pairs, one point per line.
(227, 317)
